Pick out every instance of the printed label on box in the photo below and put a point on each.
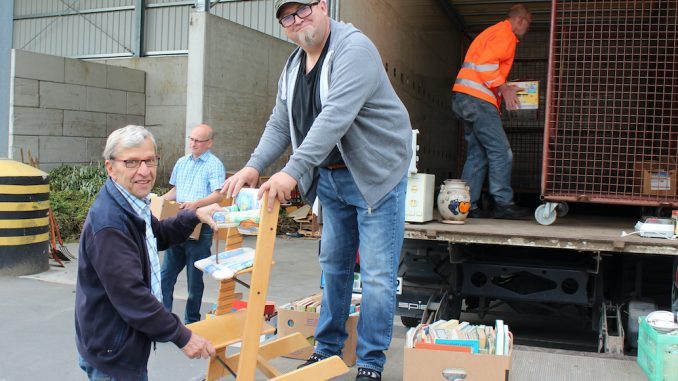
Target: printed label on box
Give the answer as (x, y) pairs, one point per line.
(529, 95)
(660, 180)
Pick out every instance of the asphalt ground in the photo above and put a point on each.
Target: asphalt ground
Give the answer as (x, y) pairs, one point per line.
(38, 342)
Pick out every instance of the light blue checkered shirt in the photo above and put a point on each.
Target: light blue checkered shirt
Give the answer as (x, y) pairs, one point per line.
(197, 178)
(143, 210)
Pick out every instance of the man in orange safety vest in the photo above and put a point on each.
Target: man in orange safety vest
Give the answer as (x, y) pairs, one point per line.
(477, 95)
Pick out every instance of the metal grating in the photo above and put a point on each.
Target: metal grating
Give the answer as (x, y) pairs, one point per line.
(525, 128)
(612, 119)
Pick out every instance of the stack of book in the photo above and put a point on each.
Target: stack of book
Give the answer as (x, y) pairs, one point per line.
(313, 302)
(453, 335)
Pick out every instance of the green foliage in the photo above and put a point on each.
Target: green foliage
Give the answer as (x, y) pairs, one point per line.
(70, 209)
(86, 179)
(72, 192)
(161, 189)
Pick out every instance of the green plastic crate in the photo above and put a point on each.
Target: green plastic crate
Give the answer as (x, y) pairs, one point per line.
(653, 353)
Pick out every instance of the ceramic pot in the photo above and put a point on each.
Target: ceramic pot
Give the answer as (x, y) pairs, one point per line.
(454, 201)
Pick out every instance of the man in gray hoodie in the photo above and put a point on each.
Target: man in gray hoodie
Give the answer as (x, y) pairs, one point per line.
(351, 141)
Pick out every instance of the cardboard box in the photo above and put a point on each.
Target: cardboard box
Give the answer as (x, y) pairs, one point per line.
(659, 177)
(419, 197)
(529, 96)
(426, 364)
(161, 209)
(290, 321)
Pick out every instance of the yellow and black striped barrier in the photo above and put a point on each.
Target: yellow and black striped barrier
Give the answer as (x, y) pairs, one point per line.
(24, 219)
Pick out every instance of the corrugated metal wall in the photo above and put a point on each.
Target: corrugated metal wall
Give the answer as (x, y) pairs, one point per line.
(74, 28)
(166, 30)
(257, 15)
(107, 28)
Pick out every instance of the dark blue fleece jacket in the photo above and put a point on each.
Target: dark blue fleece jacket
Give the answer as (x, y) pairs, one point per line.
(116, 315)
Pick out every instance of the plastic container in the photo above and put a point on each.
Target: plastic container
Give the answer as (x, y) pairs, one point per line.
(657, 353)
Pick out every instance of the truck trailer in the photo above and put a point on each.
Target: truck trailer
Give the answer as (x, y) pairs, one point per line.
(598, 155)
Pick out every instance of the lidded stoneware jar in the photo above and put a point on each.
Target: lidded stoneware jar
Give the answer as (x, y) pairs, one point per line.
(454, 201)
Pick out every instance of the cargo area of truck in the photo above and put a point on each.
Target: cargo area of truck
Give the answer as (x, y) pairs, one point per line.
(582, 233)
(586, 277)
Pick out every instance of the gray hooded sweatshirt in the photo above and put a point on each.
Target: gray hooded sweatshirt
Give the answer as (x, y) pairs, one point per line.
(361, 115)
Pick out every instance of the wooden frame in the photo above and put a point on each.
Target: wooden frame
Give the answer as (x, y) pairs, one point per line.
(246, 326)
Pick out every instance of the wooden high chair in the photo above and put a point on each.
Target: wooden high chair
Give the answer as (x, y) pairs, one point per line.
(246, 326)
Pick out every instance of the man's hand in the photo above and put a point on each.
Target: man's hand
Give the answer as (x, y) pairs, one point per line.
(188, 205)
(279, 185)
(198, 347)
(246, 176)
(508, 92)
(205, 213)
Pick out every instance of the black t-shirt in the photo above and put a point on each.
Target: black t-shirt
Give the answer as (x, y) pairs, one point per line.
(306, 104)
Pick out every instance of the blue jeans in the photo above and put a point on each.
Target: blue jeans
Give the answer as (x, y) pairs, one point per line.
(176, 258)
(94, 374)
(348, 224)
(487, 149)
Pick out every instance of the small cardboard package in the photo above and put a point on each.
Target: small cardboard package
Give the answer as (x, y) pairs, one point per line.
(428, 364)
(529, 96)
(161, 209)
(659, 178)
(290, 321)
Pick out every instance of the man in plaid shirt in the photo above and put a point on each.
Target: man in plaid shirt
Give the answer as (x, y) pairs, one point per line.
(197, 179)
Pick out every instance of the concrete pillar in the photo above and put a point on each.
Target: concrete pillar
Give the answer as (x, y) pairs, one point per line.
(6, 26)
(195, 81)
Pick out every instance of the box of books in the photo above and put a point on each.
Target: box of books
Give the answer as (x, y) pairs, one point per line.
(302, 316)
(458, 350)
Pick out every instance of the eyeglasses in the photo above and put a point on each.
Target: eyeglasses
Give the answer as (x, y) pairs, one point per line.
(152, 162)
(198, 141)
(303, 12)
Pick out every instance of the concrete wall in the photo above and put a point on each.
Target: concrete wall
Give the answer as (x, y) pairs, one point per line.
(62, 110)
(233, 74)
(165, 104)
(422, 69)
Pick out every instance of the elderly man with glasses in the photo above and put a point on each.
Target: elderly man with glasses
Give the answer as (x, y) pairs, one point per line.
(118, 301)
(196, 179)
(351, 140)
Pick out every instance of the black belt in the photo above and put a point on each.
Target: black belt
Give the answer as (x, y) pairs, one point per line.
(336, 166)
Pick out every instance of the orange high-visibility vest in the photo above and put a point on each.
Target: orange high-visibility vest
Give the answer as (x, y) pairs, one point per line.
(487, 63)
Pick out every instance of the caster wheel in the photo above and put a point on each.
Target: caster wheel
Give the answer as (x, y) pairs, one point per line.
(544, 215)
(562, 209)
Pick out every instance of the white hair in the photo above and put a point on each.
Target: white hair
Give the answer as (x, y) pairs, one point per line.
(126, 137)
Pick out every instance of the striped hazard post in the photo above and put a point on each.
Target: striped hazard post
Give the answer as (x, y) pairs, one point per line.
(24, 219)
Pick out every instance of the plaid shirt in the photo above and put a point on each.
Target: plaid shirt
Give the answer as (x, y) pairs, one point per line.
(197, 178)
(143, 210)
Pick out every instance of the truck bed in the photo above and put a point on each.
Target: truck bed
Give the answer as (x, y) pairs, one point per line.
(575, 232)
